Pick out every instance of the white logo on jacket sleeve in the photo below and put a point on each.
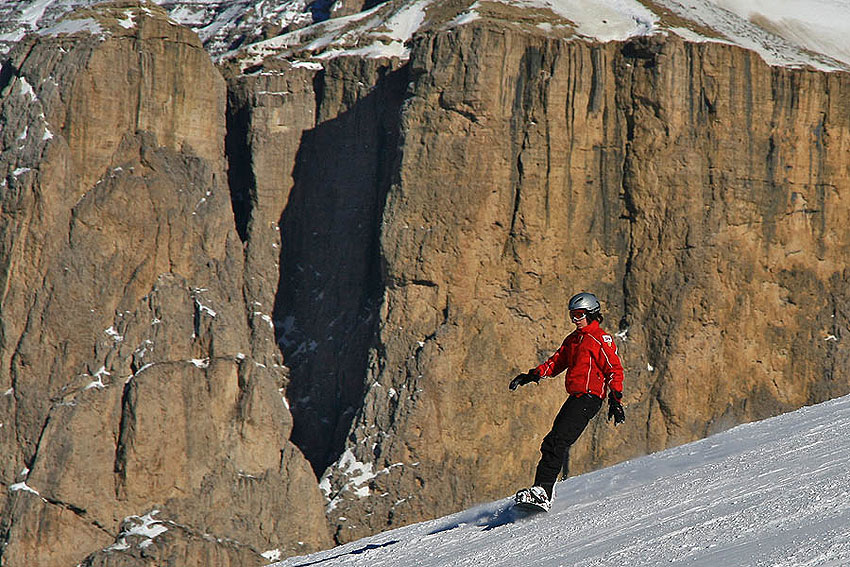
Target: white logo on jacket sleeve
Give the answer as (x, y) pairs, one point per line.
(608, 339)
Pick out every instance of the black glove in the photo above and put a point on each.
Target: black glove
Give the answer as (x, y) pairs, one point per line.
(523, 379)
(615, 408)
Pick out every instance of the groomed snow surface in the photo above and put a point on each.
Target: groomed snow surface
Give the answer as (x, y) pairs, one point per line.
(772, 493)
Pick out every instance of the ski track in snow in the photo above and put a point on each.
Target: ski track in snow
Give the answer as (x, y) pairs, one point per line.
(772, 493)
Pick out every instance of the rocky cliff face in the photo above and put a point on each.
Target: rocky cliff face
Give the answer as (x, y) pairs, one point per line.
(406, 234)
(699, 192)
(141, 410)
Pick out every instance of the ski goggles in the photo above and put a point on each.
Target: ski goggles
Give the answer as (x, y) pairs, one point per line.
(577, 315)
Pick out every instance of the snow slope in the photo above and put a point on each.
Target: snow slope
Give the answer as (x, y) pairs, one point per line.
(775, 29)
(772, 493)
(818, 25)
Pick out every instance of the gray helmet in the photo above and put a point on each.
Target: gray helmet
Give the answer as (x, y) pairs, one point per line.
(586, 301)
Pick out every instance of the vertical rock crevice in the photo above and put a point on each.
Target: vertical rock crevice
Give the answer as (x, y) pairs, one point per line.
(330, 280)
(126, 435)
(240, 174)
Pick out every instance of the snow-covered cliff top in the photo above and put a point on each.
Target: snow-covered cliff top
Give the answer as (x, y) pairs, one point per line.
(220, 24)
(793, 33)
(784, 32)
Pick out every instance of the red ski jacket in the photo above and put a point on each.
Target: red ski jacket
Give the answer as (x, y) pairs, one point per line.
(590, 358)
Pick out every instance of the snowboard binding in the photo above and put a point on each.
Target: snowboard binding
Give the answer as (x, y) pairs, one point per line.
(533, 499)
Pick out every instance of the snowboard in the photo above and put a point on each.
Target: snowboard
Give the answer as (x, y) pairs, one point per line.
(523, 501)
(530, 507)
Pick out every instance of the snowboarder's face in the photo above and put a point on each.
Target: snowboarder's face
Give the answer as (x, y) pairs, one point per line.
(579, 317)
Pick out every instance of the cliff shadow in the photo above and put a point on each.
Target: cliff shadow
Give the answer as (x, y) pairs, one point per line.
(240, 173)
(330, 276)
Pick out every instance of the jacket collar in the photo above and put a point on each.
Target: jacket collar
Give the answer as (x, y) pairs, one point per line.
(593, 326)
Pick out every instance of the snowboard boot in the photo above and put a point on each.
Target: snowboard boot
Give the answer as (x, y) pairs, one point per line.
(534, 497)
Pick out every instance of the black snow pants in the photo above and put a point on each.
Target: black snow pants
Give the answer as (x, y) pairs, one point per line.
(574, 416)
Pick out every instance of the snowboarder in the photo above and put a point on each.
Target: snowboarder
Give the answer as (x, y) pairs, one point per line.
(593, 367)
